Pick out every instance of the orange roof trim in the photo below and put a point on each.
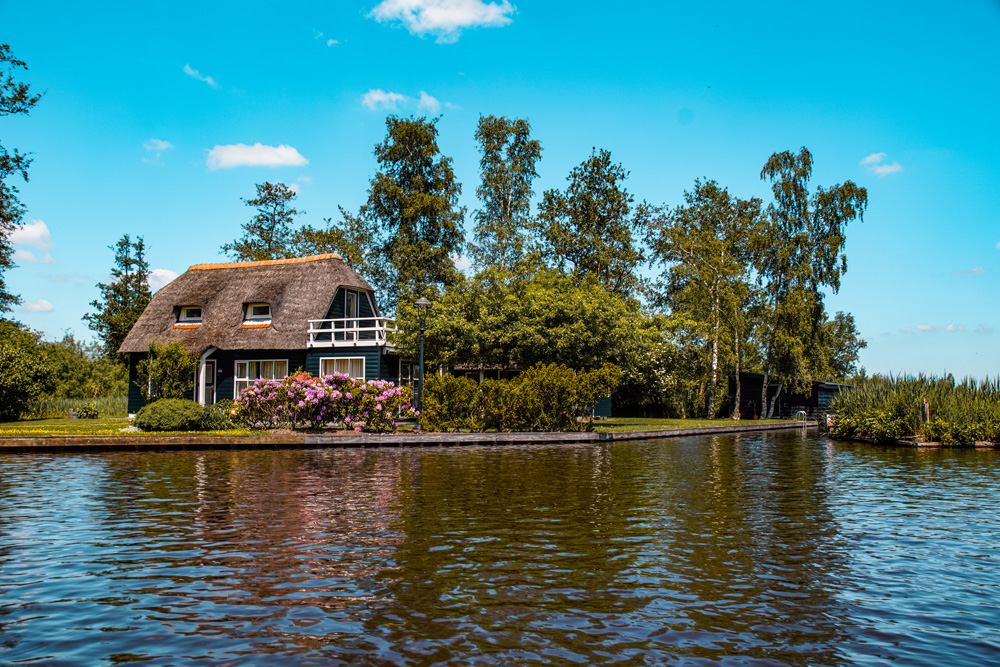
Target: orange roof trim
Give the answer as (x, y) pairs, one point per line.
(265, 262)
(255, 326)
(187, 326)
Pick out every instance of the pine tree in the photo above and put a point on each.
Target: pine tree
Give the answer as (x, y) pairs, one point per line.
(123, 298)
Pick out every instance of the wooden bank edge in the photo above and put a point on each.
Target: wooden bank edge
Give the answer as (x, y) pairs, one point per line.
(286, 441)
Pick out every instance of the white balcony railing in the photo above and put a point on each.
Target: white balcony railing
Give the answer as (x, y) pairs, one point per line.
(351, 332)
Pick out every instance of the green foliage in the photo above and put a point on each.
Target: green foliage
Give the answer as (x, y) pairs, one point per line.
(88, 411)
(170, 414)
(886, 409)
(269, 234)
(451, 403)
(507, 167)
(801, 252)
(123, 298)
(15, 98)
(167, 371)
(82, 372)
(218, 416)
(54, 408)
(413, 213)
(542, 398)
(545, 318)
(705, 248)
(587, 229)
(25, 373)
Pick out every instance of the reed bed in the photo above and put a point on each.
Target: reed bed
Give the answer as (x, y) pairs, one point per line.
(887, 408)
(51, 408)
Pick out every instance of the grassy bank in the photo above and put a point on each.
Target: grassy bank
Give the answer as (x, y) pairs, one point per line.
(886, 409)
(54, 408)
(100, 426)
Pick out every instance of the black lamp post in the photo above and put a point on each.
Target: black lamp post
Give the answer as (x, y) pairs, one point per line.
(422, 305)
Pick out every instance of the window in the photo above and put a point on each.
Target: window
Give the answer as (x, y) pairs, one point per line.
(190, 314)
(248, 372)
(353, 366)
(259, 311)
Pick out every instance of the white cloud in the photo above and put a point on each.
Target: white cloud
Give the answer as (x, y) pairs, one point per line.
(876, 165)
(258, 155)
(22, 255)
(34, 233)
(444, 18)
(376, 97)
(974, 271)
(462, 262)
(40, 306)
(192, 72)
(998, 245)
(294, 187)
(332, 42)
(155, 148)
(984, 328)
(159, 278)
(938, 327)
(429, 103)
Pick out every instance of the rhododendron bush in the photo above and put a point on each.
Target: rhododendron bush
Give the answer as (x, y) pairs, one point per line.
(303, 400)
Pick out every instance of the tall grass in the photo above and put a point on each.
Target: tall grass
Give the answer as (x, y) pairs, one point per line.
(51, 408)
(888, 408)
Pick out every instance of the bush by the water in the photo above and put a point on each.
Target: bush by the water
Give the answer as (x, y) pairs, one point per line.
(170, 414)
(303, 400)
(88, 411)
(542, 398)
(886, 409)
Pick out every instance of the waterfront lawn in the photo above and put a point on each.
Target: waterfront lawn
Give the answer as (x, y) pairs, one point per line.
(100, 426)
(625, 424)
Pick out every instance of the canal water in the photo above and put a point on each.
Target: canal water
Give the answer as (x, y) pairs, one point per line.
(762, 549)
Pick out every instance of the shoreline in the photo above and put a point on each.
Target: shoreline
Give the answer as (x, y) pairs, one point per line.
(57, 443)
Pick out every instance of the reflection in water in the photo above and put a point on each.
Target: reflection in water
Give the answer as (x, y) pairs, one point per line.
(763, 549)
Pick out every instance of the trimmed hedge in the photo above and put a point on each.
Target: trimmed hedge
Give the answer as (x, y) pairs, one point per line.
(542, 398)
(170, 414)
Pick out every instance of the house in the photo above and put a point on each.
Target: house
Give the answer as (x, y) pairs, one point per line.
(815, 404)
(266, 319)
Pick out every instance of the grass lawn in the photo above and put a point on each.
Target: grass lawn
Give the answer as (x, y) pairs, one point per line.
(623, 424)
(100, 426)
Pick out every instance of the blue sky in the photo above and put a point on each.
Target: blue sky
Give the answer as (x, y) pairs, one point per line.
(153, 113)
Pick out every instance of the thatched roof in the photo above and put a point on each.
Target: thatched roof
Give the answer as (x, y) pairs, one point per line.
(298, 290)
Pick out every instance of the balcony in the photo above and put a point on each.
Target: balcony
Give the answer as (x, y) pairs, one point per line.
(352, 332)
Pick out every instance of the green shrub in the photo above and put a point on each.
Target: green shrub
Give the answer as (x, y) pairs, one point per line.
(218, 417)
(542, 398)
(25, 373)
(170, 414)
(88, 411)
(166, 371)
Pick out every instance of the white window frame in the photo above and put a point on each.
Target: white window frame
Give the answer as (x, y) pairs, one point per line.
(347, 360)
(245, 380)
(250, 317)
(183, 315)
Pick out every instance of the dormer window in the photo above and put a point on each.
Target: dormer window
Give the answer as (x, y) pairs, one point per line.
(188, 317)
(257, 315)
(259, 311)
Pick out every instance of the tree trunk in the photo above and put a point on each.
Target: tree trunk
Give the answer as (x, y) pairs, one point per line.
(736, 403)
(715, 356)
(774, 401)
(763, 396)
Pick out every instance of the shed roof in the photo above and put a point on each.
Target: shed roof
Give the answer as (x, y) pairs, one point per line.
(297, 290)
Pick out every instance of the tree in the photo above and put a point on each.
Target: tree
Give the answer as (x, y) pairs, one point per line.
(25, 370)
(15, 98)
(801, 253)
(166, 371)
(123, 298)
(705, 247)
(81, 371)
(836, 349)
(269, 233)
(354, 238)
(507, 167)
(588, 228)
(412, 209)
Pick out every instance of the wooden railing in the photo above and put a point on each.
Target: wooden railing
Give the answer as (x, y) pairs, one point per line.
(351, 332)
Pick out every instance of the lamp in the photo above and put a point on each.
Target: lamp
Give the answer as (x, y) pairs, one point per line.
(422, 306)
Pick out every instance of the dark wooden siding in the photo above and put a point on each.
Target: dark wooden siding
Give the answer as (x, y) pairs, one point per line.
(135, 399)
(225, 363)
(376, 367)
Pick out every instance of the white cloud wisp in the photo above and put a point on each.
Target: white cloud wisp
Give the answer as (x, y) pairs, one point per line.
(35, 234)
(376, 97)
(258, 155)
(443, 18)
(159, 278)
(195, 74)
(40, 306)
(876, 164)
